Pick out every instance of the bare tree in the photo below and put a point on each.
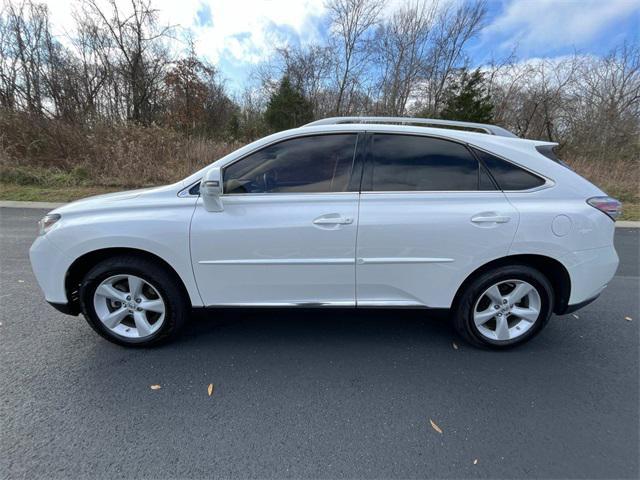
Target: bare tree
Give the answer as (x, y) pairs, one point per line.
(351, 23)
(603, 111)
(309, 70)
(456, 24)
(134, 50)
(401, 48)
(25, 27)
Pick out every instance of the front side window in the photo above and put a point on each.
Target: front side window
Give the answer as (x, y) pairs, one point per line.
(312, 164)
(507, 175)
(416, 163)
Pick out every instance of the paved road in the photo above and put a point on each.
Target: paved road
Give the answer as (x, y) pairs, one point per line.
(333, 394)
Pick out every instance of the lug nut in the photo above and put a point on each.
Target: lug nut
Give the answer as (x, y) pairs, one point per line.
(138, 300)
(128, 297)
(139, 309)
(499, 314)
(504, 301)
(497, 307)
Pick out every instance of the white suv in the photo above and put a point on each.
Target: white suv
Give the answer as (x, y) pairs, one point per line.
(346, 212)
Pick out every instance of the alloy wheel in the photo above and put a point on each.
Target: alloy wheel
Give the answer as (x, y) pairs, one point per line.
(507, 310)
(129, 306)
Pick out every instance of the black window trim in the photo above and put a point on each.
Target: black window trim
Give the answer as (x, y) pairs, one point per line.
(368, 178)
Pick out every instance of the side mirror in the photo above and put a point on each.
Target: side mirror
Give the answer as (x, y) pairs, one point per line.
(211, 190)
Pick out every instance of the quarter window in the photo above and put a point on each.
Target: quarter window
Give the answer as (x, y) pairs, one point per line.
(416, 163)
(321, 163)
(507, 175)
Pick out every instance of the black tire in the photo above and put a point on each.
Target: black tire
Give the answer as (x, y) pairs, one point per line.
(462, 317)
(163, 280)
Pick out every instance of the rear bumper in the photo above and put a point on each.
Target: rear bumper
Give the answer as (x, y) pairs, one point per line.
(577, 306)
(590, 272)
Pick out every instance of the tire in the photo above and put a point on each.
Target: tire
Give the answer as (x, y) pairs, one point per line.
(159, 291)
(477, 299)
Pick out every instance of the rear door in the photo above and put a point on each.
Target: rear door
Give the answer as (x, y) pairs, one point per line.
(287, 232)
(429, 215)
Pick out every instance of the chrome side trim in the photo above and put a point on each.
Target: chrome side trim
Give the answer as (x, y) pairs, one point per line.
(390, 304)
(285, 304)
(396, 260)
(282, 261)
(340, 304)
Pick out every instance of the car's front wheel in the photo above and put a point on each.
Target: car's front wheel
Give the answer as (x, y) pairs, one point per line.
(132, 301)
(504, 307)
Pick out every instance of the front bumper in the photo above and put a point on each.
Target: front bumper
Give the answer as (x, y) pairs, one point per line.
(50, 266)
(66, 308)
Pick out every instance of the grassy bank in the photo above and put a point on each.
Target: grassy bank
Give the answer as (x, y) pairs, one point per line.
(30, 193)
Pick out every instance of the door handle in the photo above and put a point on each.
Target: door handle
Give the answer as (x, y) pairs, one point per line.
(333, 221)
(490, 219)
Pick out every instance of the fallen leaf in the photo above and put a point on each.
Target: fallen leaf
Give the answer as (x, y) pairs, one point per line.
(455, 345)
(210, 389)
(628, 319)
(575, 316)
(475, 461)
(435, 427)
(155, 387)
(20, 281)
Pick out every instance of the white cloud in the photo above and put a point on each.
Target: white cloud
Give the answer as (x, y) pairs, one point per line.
(242, 29)
(540, 24)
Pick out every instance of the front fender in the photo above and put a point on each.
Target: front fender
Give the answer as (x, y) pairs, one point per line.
(162, 231)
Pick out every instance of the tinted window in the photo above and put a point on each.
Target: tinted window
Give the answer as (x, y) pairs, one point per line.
(485, 182)
(308, 164)
(508, 175)
(414, 163)
(549, 151)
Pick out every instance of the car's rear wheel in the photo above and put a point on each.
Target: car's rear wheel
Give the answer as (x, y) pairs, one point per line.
(133, 301)
(504, 307)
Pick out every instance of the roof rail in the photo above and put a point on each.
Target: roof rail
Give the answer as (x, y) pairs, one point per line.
(483, 127)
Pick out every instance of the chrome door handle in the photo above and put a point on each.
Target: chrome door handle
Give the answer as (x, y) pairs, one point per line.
(490, 219)
(333, 221)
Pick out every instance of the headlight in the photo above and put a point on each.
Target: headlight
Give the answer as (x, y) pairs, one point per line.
(47, 222)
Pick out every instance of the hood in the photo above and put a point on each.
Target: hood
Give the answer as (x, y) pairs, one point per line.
(112, 200)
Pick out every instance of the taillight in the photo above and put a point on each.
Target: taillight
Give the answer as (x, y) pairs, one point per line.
(608, 205)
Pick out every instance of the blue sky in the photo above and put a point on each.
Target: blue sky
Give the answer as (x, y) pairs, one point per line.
(238, 34)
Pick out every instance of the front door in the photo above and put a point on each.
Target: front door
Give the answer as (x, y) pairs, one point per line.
(429, 216)
(287, 233)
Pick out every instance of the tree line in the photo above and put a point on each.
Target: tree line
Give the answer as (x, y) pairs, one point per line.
(118, 65)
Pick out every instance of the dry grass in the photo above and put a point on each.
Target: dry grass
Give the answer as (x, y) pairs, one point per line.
(32, 193)
(619, 178)
(37, 151)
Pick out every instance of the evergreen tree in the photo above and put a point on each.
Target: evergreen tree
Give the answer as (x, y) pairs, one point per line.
(287, 108)
(466, 99)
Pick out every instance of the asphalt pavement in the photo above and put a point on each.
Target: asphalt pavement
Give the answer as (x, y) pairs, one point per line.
(315, 394)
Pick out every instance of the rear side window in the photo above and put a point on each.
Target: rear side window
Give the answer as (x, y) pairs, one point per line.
(415, 163)
(549, 151)
(320, 163)
(507, 175)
